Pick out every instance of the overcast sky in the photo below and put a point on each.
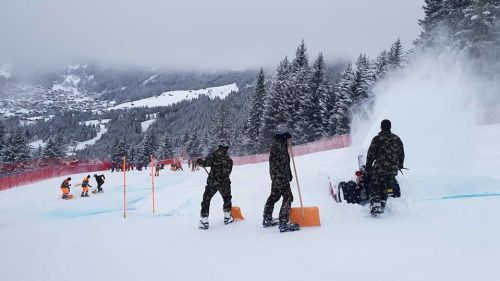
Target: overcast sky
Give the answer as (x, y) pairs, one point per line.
(203, 34)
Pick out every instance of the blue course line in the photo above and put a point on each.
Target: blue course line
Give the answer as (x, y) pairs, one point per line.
(464, 196)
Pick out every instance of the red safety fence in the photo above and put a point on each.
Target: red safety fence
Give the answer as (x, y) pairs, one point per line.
(323, 144)
(34, 171)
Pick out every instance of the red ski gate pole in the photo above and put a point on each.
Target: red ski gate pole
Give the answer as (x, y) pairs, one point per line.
(124, 188)
(153, 181)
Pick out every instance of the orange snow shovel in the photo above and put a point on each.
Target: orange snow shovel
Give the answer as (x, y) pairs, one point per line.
(304, 216)
(235, 211)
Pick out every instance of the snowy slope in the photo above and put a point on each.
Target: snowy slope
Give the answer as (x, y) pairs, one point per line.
(171, 97)
(422, 236)
(102, 131)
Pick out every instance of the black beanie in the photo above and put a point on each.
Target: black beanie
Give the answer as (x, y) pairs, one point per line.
(385, 125)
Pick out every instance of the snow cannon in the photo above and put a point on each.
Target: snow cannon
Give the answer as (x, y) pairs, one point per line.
(305, 216)
(236, 213)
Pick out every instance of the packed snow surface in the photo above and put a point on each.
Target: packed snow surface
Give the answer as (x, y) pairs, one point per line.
(441, 229)
(171, 97)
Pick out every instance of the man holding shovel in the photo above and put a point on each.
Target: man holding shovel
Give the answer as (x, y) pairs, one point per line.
(281, 176)
(218, 180)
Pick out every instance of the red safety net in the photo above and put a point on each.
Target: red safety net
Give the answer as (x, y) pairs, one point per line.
(12, 175)
(323, 144)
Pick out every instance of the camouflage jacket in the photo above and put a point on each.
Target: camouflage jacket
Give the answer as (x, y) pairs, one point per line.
(386, 154)
(279, 161)
(221, 166)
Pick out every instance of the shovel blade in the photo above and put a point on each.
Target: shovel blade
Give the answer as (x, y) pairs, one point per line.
(236, 213)
(310, 218)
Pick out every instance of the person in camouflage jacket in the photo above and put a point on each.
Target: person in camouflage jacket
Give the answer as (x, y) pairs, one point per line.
(281, 176)
(385, 158)
(218, 180)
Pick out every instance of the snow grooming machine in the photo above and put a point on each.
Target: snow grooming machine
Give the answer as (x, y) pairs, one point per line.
(358, 191)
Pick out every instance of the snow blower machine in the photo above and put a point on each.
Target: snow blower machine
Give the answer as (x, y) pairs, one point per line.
(358, 191)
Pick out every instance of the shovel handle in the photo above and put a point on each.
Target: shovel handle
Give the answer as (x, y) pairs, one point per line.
(296, 178)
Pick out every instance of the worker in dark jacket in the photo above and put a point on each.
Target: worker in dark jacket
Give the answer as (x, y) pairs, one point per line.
(218, 180)
(100, 181)
(385, 158)
(281, 176)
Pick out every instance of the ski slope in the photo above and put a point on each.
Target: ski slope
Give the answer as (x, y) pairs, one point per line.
(171, 97)
(438, 230)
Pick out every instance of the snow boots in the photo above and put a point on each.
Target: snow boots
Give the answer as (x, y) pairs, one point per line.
(203, 223)
(376, 209)
(85, 194)
(270, 222)
(228, 218)
(287, 226)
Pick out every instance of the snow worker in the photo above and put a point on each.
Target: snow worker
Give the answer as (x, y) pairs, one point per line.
(100, 181)
(65, 188)
(85, 186)
(218, 180)
(157, 170)
(281, 176)
(385, 158)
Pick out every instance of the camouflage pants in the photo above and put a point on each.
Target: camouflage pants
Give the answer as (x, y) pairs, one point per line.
(278, 190)
(225, 191)
(379, 183)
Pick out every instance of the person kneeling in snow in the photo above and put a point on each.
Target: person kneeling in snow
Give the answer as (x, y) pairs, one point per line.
(85, 186)
(385, 158)
(281, 176)
(65, 188)
(218, 180)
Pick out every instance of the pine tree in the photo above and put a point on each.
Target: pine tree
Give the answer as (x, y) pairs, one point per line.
(119, 150)
(17, 148)
(363, 79)
(276, 110)
(2, 139)
(254, 122)
(479, 30)
(53, 149)
(395, 58)
(194, 148)
(147, 147)
(299, 88)
(381, 65)
(221, 128)
(310, 123)
(340, 120)
(131, 155)
(435, 13)
(166, 151)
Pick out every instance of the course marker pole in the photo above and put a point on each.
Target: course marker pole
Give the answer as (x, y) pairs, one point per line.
(153, 181)
(124, 187)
